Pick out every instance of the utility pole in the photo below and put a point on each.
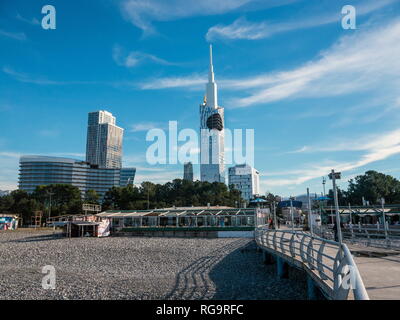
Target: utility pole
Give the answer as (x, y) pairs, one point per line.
(309, 212)
(350, 217)
(291, 213)
(333, 176)
(384, 217)
(274, 211)
(148, 198)
(49, 193)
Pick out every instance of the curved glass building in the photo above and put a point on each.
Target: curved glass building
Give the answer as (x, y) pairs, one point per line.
(41, 170)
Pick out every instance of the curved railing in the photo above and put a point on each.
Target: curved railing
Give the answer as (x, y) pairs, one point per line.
(373, 235)
(332, 268)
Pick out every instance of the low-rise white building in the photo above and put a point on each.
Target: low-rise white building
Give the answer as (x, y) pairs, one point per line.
(246, 179)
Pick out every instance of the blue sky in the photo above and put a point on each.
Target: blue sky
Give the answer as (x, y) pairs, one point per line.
(318, 96)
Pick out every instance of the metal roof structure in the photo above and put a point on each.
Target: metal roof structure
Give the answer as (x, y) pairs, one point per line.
(363, 210)
(177, 212)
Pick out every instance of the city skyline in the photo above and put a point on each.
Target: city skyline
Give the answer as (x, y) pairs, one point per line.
(318, 96)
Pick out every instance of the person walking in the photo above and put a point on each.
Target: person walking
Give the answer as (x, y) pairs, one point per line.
(335, 230)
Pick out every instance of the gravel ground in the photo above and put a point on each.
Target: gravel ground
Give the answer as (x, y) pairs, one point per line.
(139, 268)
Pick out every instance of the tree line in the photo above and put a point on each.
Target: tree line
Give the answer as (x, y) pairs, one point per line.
(54, 200)
(179, 193)
(372, 186)
(63, 199)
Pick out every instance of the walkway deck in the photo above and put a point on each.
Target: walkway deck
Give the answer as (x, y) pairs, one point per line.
(380, 271)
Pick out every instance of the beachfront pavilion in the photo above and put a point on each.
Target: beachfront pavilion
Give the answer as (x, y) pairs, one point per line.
(363, 215)
(186, 217)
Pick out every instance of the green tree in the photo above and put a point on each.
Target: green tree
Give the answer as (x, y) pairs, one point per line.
(61, 199)
(373, 186)
(92, 197)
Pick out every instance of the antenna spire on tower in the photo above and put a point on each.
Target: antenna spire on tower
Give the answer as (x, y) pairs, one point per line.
(211, 72)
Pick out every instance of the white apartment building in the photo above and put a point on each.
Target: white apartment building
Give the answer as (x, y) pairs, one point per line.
(245, 179)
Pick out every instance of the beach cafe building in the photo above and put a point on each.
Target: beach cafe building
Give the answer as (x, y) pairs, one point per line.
(8, 221)
(187, 217)
(363, 215)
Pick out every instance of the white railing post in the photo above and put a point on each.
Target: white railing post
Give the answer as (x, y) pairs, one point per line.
(344, 268)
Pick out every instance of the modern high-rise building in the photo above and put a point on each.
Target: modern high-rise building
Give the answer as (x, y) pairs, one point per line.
(104, 140)
(127, 176)
(40, 170)
(246, 179)
(188, 171)
(212, 167)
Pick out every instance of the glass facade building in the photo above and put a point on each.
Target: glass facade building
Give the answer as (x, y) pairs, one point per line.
(127, 176)
(104, 140)
(188, 171)
(40, 170)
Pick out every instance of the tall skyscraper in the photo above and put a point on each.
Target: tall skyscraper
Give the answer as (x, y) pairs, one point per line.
(212, 168)
(104, 140)
(246, 179)
(188, 171)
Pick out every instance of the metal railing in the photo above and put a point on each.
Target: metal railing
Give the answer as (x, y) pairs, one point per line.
(371, 235)
(332, 268)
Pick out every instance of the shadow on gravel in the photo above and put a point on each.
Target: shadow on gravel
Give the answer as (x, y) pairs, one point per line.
(37, 238)
(233, 272)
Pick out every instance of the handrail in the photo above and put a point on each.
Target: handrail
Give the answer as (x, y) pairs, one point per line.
(372, 235)
(334, 270)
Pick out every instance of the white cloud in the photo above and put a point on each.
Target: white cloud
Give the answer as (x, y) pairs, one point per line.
(134, 58)
(146, 126)
(361, 62)
(32, 21)
(374, 147)
(40, 80)
(13, 35)
(364, 61)
(243, 29)
(194, 81)
(142, 13)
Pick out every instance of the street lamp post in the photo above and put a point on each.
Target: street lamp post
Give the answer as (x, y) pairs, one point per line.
(49, 193)
(384, 217)
(323, 184)
(274, 211)
(333, 176)
(291, 213)
(309, 212)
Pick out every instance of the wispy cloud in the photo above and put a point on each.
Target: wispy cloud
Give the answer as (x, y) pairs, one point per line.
(146, 126)
(361, 62)
(373, 148)
(134, 58)
(142, 13)
(13, 35)
(32, 21)
(243, 29)
(41, 80)
(193, 81)
(27, 78)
